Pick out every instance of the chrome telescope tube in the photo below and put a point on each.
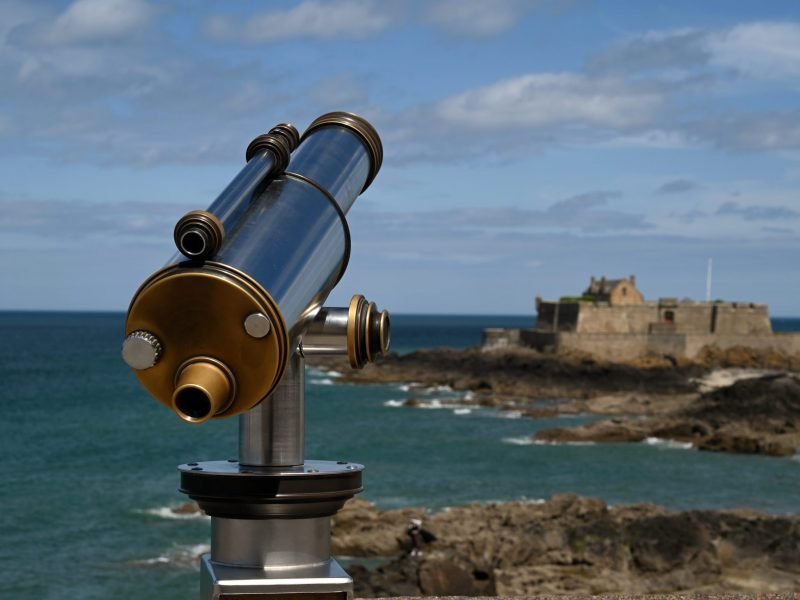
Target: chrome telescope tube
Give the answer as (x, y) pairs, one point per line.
(293, 239)
(212, 336)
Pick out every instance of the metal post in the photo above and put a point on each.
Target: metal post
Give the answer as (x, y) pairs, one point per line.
(270, 513)
(273, 433)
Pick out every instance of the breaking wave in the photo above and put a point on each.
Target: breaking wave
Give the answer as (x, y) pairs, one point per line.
(182, 556)
(519, 441)
(669, 444)
(510, 414)
(572, 443)
(174, 512)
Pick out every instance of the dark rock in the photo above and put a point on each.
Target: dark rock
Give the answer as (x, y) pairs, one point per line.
(441, 577)
(752, 416)
(580, 546)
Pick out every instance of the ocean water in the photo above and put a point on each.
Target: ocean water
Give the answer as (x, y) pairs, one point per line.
(88, 469)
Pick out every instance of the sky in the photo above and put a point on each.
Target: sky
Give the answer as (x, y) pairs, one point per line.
(528, 144)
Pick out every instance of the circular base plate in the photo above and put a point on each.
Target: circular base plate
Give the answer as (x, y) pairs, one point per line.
(230, 490)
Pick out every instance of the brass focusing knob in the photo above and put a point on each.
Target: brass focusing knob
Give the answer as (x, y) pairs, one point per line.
(141, 350)
(204, 387)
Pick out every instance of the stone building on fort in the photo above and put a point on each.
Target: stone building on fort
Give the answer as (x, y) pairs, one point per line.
(612, 319)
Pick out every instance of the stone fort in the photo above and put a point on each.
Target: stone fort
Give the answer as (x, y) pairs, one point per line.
(611, 319)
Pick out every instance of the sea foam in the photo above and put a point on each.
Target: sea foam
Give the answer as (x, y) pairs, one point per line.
(510, 414)
(570, 443)
(170, 512)
(518, 441)
(668, 444)
(184, 556)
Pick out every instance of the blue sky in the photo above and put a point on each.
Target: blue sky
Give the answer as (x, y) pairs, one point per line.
(528, 144)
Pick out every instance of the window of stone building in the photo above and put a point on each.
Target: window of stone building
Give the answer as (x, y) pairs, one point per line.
(669, 316)
(624, 291)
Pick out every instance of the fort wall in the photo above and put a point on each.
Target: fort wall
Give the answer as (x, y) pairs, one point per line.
(611, 319)
(628, 346)
(663, 317)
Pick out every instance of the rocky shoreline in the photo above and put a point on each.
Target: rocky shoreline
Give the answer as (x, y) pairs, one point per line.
(568, 545)
(736, 400)
(752, 416)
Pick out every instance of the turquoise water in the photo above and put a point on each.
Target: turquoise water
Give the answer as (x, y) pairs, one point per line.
(89, 458)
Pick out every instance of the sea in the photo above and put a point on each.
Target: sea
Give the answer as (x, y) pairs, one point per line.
(89, 475)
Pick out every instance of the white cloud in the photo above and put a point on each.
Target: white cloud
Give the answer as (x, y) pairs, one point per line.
(64, 221)
(86, 21)
(751, 131)
(672, 50)
(586, 213)
(348, 19)
(546, 99)
(653, 139)
(760, 50)
(476, 18)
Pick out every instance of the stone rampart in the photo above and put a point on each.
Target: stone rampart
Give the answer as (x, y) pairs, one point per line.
(500, 338)
(663, 317)
(628, 346)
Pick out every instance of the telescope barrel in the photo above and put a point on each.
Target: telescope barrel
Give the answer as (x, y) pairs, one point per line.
(265, 256)
(293, 239)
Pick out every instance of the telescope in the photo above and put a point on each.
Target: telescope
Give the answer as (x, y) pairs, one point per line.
(223, 330)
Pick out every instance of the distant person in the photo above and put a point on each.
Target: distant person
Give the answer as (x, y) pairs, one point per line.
(419, 536)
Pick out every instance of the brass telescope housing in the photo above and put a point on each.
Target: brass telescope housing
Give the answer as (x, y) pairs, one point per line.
(210, 335)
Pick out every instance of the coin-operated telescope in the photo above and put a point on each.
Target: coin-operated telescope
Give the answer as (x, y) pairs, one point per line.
(223, 330)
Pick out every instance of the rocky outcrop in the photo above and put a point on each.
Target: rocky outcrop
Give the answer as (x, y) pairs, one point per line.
(760, 415)
(746, 358)
(510, 373)
(570, 545)
(752, 416)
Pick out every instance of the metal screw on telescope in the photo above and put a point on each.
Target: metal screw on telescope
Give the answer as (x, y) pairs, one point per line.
(223, 330)
(257, 325)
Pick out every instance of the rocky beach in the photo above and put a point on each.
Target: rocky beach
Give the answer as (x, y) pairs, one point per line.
(738, 400)
(567, 545)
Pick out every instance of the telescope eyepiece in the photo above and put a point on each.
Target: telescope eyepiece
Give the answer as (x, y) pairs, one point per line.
(281, 140)
(193, 402)
(194, 242)
(199, 235)
(204, 387)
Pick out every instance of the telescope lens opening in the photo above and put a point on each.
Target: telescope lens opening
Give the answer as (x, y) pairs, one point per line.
(193, 403)
(194, 242)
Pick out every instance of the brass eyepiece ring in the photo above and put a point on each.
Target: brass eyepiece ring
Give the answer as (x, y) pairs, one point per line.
(199, 235)
(361, 127)
(204, 387)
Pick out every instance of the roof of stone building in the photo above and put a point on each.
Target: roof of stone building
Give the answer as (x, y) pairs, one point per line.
(603, 286)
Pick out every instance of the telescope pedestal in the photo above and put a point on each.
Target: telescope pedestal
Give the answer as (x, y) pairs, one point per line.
(270, 528)
(270, 524)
